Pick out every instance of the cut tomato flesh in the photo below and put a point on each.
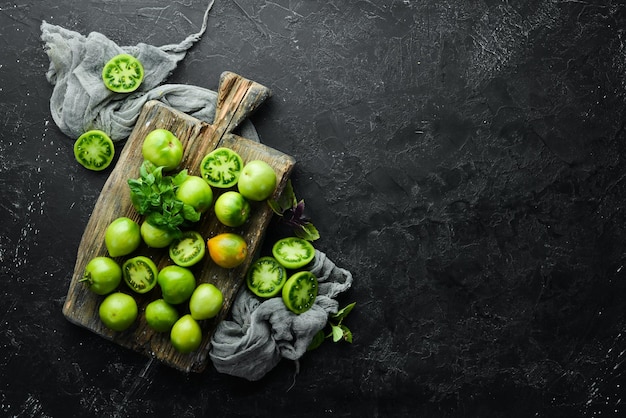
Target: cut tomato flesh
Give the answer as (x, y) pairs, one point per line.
(221, 167)
(300, 291)
(123, 73)
(293, 252)
(266, 277)
(94, 150)
(140, 274)
(188, 249)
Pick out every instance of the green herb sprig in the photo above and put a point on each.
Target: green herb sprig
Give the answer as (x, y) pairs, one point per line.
(154, 194)
(334, 329)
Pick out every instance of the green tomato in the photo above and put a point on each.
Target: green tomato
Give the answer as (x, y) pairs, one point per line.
(122, 237)
(94, 150)
(162, 148)
(177, 284)
(154, 236)
(221, 167)
(102, 275)
(300, 291)
(293, 252)
(232, 209)
(123, 73)
(140, 274)
(257, 180)
(206, 302)
(195, 192)
(118, 311)
(160, 315)
(188, 250)
(186, 334)
(266, 277)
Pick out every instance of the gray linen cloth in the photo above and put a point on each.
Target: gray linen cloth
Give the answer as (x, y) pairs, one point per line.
(80, 101)
(260, 332)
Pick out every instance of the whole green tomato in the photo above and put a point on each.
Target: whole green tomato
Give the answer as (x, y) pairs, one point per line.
(118, 311)
(206, 301)
(163, 149)
(122, 237)
(257, 180)
(160, 315)
(176, 283)
(195, 192)
(102, 275)
(232, 209)
(186, 334)
(154, 236)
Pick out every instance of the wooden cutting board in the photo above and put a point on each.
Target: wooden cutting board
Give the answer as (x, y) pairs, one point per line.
(237, 99)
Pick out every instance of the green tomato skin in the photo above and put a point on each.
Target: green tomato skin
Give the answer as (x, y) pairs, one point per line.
(160, 315)
(177, 284)
(122, 237)
(155, 237)
(195, 192)
(186, 335)
(232, 209)
(257, 181)
(102, 275)
(163, 149)
(206, 302)
(118, 311)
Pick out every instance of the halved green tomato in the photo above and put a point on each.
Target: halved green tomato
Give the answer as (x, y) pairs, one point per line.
(187, 250)
(140, 274)
(123, 73)
(300, 291)
(221, 167)
(266, 277)
(293, 252)
(94, 150)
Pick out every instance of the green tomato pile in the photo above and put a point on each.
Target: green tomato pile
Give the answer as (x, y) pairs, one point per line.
(169, 203)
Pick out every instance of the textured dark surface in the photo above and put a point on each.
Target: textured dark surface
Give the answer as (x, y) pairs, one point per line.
(464, 159)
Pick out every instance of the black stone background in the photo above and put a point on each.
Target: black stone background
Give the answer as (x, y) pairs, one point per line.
(464, 159)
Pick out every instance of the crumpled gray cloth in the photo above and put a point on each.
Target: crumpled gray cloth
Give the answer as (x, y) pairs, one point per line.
(80, 101)
(261, 333)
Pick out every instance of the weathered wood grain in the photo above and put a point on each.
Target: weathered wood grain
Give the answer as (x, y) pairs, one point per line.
(237, 98)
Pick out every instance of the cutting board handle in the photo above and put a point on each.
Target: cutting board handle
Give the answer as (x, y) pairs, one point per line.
(237, 99)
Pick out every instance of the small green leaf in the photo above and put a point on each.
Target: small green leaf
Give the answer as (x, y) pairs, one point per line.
(147, 167)
(275, 206)
(179, 178)
(143, 170)
(337, 332)
(190, 214)
(307, 232)
(289, 196)
(347, 334)
(285, 201)
(317, 340)
(341, 314)
(157, 173)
